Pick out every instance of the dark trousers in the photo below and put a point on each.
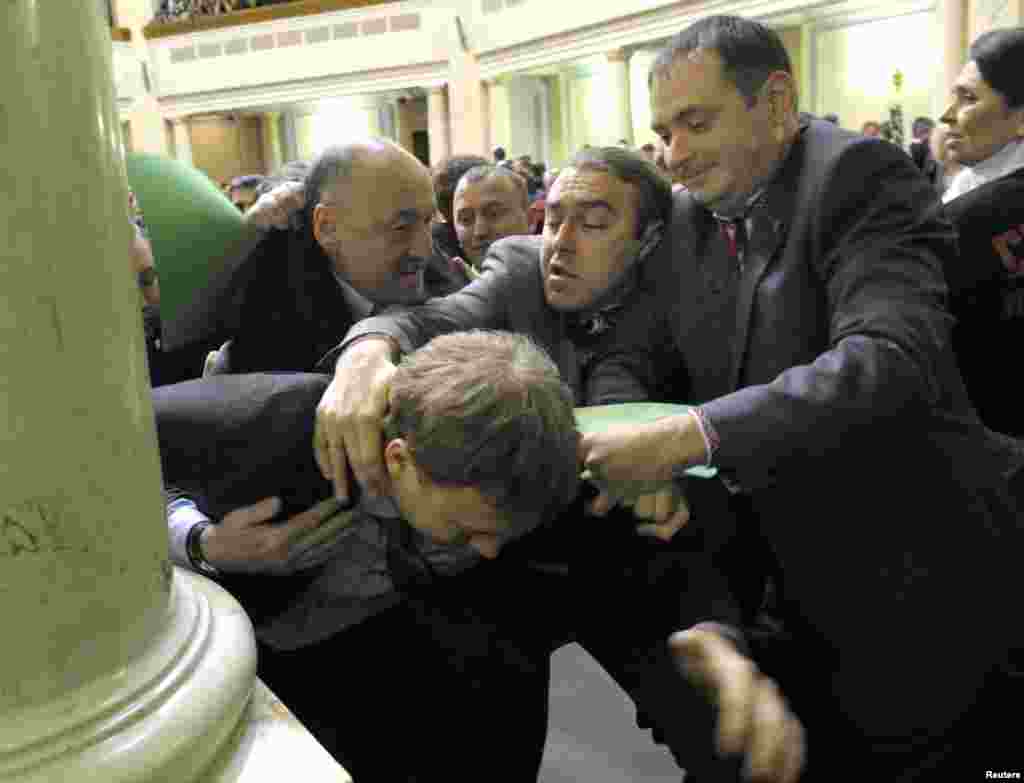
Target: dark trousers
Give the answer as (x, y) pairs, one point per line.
(434, 689)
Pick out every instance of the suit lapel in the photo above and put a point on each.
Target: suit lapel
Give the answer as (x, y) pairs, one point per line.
(770, 218)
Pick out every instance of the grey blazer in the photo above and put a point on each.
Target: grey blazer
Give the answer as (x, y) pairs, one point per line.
(625, 363)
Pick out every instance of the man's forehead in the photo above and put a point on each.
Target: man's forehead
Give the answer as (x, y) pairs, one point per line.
(970, 77)
(393, 191)
(494, 188)
(693, 80)
(585, 186)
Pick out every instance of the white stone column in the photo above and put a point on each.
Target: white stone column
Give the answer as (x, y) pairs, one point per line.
(405, 122)
(500, 123)
(621, 122)
(438, 124)
(182, 139)
(149, 128)
(271, 126)
(953, 21)
(116, 666)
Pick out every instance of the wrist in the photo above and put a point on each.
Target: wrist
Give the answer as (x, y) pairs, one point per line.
(197, 547)
(686, 442)
(369, 348)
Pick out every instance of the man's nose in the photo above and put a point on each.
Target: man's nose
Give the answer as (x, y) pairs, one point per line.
(677, 152)
(487, 547)
(566, 234)
(482, 227)
(949, 115)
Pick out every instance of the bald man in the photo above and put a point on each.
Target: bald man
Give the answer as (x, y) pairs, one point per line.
(362, 243)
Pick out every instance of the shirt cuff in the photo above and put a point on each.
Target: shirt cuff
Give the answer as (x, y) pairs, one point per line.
(182, 515)
(708, 433)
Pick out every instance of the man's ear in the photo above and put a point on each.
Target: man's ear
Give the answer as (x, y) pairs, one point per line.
(397, 457)
(325, 230)
(780, 92)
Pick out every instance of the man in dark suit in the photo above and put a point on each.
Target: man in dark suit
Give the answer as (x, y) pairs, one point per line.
(803, 279)
(362, 242)
(446, 177)
(583, 293)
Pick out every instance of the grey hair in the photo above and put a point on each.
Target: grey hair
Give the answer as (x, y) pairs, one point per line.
(490, 410)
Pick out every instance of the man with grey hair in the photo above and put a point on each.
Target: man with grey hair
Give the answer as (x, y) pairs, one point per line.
(362, 242)
(381, 634)
(490, 203)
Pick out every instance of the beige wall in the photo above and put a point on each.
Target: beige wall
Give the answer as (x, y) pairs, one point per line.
(984, 15)
(225, 148)
(335, 122)
(640, 96)
(855, 82)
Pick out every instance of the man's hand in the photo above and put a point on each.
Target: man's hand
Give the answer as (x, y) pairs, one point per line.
(350, 418)
(753, 717)
(666, 509)
(639, 462)
(247, 541)
(275, 209)
(632, 453)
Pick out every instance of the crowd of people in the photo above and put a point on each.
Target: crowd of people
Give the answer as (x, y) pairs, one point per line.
(381, 461)
(175, 10)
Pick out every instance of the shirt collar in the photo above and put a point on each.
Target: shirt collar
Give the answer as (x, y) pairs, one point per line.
(360, 306)
(1007, 160)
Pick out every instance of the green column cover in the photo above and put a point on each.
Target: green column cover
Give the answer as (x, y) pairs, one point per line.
(199, 239)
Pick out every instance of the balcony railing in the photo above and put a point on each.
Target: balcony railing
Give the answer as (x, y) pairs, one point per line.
(188, 16)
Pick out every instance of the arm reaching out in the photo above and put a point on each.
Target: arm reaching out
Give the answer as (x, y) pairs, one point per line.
(350, 418)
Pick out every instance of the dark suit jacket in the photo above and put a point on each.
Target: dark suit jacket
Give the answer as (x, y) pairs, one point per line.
(509, 296)
(987, 297)
(292, 308)
(826, 369)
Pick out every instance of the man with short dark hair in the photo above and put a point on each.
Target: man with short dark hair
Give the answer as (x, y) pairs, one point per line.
(872, 129)
(985, 123)
(802, 277)
(446, 177)
(381, 633)
(499, 155)
(490, 203)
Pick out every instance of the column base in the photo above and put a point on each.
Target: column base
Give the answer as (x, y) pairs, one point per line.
(183, 711)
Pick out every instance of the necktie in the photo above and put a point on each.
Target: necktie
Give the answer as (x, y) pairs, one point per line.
(735, 234)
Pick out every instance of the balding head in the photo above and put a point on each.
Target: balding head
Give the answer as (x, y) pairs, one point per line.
(368, 205)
